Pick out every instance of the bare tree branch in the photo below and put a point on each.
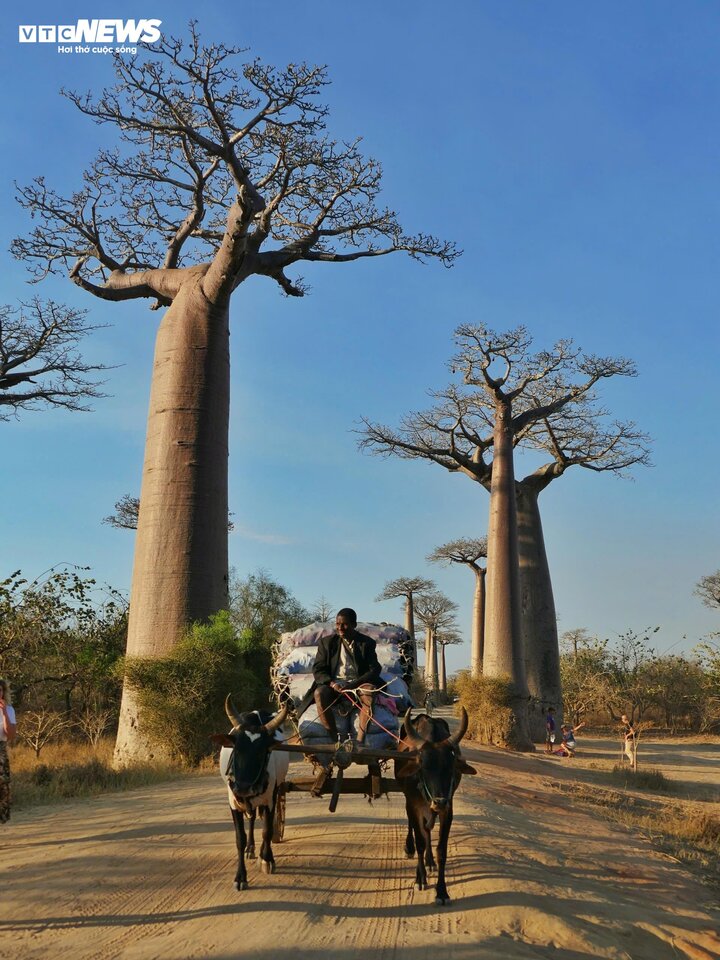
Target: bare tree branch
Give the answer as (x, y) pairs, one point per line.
(466, 550)
(39, 362)
(554, 406)
(708, 589)
(220, 163)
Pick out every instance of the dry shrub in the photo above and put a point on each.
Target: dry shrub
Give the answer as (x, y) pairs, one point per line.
(689, 834)
(652, 779)
(489, 705)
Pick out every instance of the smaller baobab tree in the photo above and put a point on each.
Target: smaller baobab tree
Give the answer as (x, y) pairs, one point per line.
(40, 365)
(509, 397)
(408, 588)
(445, 637)
(436, 613)
(469, 552)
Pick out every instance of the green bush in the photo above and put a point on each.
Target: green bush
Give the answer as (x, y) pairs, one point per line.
(182, 695)
(489, 705)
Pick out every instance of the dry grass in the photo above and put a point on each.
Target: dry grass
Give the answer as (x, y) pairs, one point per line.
(643, 779)
(68, 769)
(679, 828)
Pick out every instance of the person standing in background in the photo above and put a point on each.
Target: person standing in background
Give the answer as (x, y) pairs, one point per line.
(7, 735)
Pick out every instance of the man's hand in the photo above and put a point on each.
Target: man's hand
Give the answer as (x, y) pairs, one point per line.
(339, 685)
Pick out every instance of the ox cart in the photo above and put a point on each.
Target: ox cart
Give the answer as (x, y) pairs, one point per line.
(425, 756)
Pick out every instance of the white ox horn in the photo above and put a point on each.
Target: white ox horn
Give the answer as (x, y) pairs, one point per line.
(277, 721)
(232, 713)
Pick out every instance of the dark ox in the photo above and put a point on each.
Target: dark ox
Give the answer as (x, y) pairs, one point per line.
(429, 780)
(253, 775)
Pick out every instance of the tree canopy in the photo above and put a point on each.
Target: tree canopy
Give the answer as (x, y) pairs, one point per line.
(221, 165)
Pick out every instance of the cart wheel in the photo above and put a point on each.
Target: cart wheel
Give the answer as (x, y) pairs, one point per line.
(279, 820)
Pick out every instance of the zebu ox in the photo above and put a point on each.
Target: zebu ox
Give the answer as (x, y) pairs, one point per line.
(253, 775)
(429, 780)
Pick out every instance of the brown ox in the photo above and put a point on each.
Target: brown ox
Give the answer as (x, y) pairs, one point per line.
(429, 780)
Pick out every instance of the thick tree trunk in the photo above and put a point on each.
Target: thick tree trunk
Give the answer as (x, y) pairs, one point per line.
(410, 624)
(442, 673)
(180, 573)
(503, 656)
(537, 614)
(477, 640)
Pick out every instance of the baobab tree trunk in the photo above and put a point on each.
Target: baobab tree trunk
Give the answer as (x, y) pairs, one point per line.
(410, 624)
(477, 640)
(180, 572)
(431, 665)
(537, 614)
(503, 656)
(442, 674)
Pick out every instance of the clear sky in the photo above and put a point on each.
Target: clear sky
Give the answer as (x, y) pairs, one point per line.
(571, 150)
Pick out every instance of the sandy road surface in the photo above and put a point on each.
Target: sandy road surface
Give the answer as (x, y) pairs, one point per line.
(149, 875)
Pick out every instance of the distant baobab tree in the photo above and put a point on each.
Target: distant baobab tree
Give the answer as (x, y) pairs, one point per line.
(469, 552)
(40, 365)
(221, 171)
(506, 397)
(436, 613)
(445, 638)
(409, 588)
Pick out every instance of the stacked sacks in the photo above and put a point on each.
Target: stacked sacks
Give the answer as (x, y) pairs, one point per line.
(292, 678)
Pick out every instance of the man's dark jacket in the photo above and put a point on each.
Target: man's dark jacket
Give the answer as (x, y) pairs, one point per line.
(327, 662)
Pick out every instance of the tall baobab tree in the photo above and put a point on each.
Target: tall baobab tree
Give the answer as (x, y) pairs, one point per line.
(222, 171)
(509, 397)
(39, 362)
(469, 552)
(407, 587)
(436, 613)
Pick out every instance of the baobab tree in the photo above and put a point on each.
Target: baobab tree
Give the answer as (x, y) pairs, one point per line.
(40, 365)
(445, 637)
(222, 171)
(436, 613)
(468, 552)
(407, 587)
(508, 397)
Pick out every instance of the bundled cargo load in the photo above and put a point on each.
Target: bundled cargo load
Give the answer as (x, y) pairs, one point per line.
(292, 676)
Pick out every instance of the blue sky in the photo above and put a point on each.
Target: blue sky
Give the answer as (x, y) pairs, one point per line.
(572, 151)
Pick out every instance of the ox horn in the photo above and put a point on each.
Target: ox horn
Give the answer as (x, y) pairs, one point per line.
(411, 734)
(456, 737)
(277, 721)
(232, 713)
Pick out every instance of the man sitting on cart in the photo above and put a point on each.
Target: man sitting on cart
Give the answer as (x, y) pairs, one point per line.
(346, 661)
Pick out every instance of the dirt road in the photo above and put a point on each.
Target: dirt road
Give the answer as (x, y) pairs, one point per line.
(148, 875)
